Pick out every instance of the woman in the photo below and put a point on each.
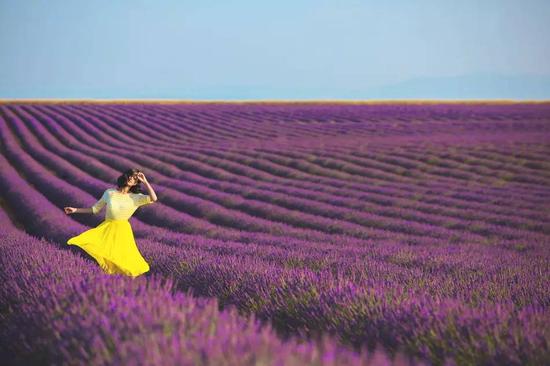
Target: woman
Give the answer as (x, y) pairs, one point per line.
(112, 243)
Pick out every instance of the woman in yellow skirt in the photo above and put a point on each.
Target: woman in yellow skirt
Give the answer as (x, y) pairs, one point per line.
(112, 242)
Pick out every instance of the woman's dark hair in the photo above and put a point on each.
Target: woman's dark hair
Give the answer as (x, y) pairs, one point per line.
(123, 180)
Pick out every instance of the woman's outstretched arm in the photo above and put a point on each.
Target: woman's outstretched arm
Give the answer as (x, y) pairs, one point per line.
(96, 208)
(71, 210)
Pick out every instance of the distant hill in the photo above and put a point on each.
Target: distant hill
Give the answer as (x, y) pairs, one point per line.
(475, 86)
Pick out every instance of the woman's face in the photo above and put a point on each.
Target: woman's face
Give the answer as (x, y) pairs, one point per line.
(132, 180)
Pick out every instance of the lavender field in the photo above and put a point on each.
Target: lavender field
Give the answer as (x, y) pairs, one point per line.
(284, 234)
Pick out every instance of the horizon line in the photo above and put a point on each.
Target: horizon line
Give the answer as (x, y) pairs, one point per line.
(281, 101)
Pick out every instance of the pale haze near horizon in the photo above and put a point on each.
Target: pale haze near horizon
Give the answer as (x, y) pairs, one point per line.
(281, 50)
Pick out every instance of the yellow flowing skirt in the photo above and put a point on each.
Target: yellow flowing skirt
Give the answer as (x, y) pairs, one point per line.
(113, 246)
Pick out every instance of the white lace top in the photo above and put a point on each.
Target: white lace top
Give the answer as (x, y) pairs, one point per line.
(120, 206)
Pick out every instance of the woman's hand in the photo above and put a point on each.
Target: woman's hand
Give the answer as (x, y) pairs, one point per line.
(69, 210)
(141, 178)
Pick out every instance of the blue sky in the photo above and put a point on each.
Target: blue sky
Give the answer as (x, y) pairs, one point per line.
(298, 49)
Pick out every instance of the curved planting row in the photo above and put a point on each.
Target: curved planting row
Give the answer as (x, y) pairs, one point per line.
(309, 301)
(497, 229)
(438, 269)
(56, 312)
(495, 192)
(217, 211)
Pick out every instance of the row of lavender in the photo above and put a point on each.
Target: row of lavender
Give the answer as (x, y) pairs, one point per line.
(222, 205)
(300, 300)
(415, 262)
(125, 128)
(59, 309)
(59, 193)
(302, 120)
